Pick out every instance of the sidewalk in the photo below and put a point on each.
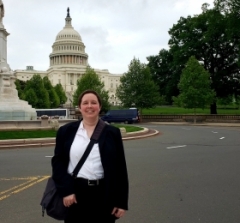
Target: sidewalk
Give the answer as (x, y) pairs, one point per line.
(43, 142)
(197, 124)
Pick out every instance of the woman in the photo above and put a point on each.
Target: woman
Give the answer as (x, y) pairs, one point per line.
(100, 191)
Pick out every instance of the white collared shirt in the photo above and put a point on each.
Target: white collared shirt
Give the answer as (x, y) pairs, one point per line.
(92, 168)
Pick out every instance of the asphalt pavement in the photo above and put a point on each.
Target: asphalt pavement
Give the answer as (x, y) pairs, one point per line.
(185, 174)
(146, 132)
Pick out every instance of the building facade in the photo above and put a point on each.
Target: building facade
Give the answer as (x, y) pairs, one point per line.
(68, 62)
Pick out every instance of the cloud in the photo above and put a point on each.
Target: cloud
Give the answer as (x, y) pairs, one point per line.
(112, 31)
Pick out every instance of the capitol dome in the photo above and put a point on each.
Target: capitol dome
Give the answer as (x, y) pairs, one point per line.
(68, 47)
(68, 34)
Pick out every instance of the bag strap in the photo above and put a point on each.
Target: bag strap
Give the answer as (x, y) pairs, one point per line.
(94, 139)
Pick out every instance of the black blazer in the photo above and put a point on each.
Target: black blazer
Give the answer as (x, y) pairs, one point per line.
(112, 158)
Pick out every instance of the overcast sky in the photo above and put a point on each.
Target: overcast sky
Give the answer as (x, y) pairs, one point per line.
(113, 31)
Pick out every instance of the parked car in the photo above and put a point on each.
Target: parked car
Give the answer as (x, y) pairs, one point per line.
(125, 115)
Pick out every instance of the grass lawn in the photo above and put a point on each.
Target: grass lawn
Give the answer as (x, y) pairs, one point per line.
(48, 133)
(129, 128)
(27, 134)
(170, 110)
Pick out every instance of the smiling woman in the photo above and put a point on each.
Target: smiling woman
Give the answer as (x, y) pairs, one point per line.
(99, 193)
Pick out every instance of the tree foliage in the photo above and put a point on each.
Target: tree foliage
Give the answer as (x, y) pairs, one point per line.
(31, 97)
(228, 6)
(20, 85)
(194, 86)
(161, 68)
(61, 94)
(90, 80)
(213, 37)
(137, 87)
(53, 97)
(36, 83)
(205, 37)
(40, 93)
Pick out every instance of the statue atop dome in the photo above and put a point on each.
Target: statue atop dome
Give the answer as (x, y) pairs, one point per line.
(1, 11)
(68, 12)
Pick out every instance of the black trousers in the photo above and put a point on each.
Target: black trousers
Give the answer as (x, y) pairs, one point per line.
(90, 207)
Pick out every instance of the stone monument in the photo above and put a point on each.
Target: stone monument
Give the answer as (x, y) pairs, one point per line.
(11, 107)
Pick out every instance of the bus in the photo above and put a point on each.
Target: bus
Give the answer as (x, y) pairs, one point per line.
(51, 112)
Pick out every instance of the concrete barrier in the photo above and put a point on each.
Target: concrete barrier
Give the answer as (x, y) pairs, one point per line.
(123, 131)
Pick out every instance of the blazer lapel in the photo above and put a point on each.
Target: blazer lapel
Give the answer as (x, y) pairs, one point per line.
(70, 133)
(102, 138)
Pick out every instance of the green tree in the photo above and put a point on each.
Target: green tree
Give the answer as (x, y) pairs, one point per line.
(228, 6)
(137, 87)
(61, 93)
(20, 85)
(208, 37)
(195, 87)
(31, 98)
(36, 83)
(90, 80)
(225, 101)
(53, 97)
(162, 70)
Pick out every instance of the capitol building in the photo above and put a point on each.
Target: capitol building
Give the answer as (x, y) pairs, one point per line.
(68, 62)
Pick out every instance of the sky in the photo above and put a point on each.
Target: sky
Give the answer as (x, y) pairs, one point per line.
(113, 31)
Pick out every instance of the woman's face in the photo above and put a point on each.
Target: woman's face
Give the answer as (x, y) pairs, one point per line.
(89, 106)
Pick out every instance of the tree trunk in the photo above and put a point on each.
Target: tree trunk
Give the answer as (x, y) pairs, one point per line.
(195, 118)
(213, 108)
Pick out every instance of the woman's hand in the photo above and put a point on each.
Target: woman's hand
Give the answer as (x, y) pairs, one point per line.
(69, 200)
(118, 212)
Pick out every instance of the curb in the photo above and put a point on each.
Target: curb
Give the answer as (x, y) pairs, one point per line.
(43, 142)
(197, 124)
(149, 133)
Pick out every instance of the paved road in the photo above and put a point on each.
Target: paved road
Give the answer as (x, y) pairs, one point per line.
(186, 174)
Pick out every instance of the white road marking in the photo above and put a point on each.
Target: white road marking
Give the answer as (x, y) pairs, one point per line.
(175, 147)
(222, 137)
(48, 156)
(214, 132)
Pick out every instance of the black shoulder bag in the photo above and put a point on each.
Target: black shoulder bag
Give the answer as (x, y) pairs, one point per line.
(51, 201)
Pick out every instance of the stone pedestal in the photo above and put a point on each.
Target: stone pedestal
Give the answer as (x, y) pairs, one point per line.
(11, 107)
(44, 121)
